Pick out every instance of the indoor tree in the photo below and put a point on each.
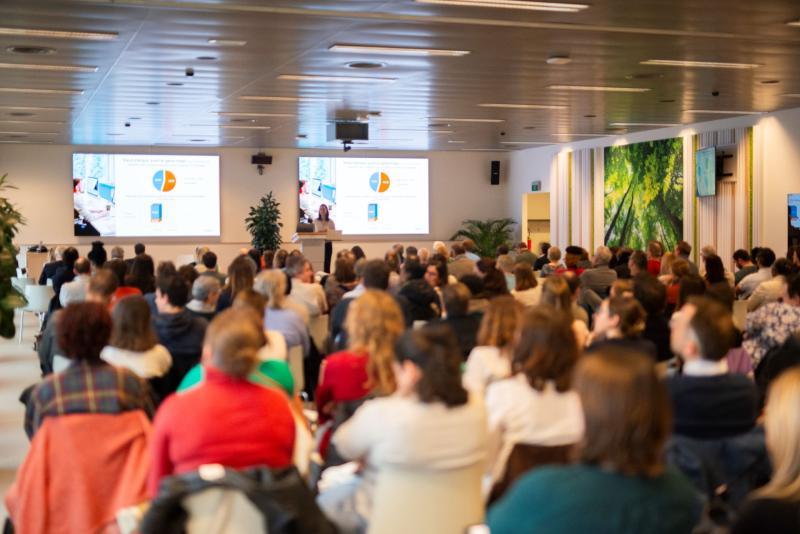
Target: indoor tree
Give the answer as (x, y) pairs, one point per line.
(487, 235)
(264, 223)
(10, 298)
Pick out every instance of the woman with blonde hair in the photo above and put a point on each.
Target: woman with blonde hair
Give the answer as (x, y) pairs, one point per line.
(490, 360)
(776, 506)
(226, 419)
(272, 285)
(556, 293)
(374, 323)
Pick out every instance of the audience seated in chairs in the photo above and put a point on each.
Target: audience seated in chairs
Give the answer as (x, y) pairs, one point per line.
(423, 448)
(620, 483)
(534, 416)
(226, 419)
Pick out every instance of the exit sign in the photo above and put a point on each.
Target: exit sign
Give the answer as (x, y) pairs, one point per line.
(536, 186)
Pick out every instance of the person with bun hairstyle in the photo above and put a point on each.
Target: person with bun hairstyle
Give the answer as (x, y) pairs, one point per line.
(227, 419)
(620, 322)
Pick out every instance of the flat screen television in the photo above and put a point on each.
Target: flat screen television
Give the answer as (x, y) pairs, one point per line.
(366, 196)
(706, 172)
(133, 195)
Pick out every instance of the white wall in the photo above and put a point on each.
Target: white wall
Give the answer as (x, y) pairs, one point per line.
(459, 189)
(776, 147)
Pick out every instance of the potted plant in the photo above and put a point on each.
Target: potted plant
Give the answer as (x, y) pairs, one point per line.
(10, 298)
(487, 235)
(264, 224)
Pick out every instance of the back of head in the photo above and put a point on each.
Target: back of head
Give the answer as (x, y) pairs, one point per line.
(502, 249)
(654, 249)
(741, 255)
(680, 268)
(280, 259)
(469, 245)
(474, 283)
(269, 259)
(505, 263)
(435, 352)
(623, 255)
(70, 256)
(411, 250)
(166, 269)
(131, 326)
(143, 266)
(766, 257)
(103, 285)
(556, 293)
(413, 269)
(500, 322)
(544, 247)
(554, 254)
(272, 285)
(712, 327)
(295, 264)
(82, 266)
(602, 256)
(374, 322)
(97, 255)
(392, 261)
(117, 253)
(715, 270)
(188, 273)
(631, 315)
(358, 252)
(375, 274)
(458, 249)
(690, 285)
(546, 349)
(456, 299)
(118, 268)
(251, 299)
(240, 274)
(175, 288)
(524, 278)
(650, 293)
(494, 284)
(83, 329)
(344, 270)
(782, 267)
(783, 435)
(199, 252)
(233, 340)
(210, 260)
(138, 248)
(626, 411)
(639, 259)
(683, 248)
(203, 287)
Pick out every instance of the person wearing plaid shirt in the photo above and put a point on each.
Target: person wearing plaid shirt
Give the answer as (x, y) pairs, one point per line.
(88, 385)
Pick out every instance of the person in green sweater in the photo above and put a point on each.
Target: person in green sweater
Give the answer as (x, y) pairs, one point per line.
(620, 484)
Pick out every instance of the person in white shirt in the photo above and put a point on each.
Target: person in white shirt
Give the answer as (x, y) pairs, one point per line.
(429, 423)
(490, 360)
(536, 406)
(526, 290)
(75, 291)
(304, 290)
(764, 260)
(134, 344)
(770, 290)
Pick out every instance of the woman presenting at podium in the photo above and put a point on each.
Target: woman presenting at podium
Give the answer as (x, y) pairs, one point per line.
(323, 223)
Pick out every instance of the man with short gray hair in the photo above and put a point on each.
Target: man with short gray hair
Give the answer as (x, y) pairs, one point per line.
(117, 253)
(600, 277)
(205, 293)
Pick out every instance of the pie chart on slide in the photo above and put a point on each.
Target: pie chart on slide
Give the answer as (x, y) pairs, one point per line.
(379, 182)
(164, 180)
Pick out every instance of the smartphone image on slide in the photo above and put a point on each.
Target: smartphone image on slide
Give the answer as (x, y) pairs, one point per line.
(156, 213)
(372, 212)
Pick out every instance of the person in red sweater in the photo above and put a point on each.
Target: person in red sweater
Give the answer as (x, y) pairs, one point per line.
(654, 253)
(226, 419)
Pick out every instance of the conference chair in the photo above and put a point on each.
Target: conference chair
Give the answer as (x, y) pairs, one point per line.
(38, 298)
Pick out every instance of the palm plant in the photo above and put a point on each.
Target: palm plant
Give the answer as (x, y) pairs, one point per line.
(264, 224)
(487, 235)
(10, 298)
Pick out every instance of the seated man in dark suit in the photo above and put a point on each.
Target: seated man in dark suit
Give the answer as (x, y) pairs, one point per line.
(50, 269)
(465, 325)
(708, 402)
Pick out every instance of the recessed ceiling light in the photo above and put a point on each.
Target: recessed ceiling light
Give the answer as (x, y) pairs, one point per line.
(285, 98)
(249, 114)
(365, 65)
(243, 120)
(134, 118)
(468, 120)
(395, 50)
(439, 125)
(237, 127)
(206, 58)
(657, 124)
(529, 127)
(525, 143)
(31, 50)
(720, 112)
(152, 103)
(59, 68)
(21, 114)
(114, 134)
(512, 4)
(197, 140)
(35, 108)
(226, 42)
(699, 64)
(300, 137)
(55, 34)
(558, 60)
(454, 142)
(522, 106)
(175, 84)
(599, 88)
(343, 79)
(590, 116)
(770, 82)
(41, 91)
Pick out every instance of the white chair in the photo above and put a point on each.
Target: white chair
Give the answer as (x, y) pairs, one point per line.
(19, 283)
(296, 367)
(38, 298)
(427, 501)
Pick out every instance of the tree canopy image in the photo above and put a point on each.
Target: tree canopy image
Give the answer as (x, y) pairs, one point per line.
(644, 194)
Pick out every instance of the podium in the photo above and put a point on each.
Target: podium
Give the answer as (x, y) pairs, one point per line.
(312, 245)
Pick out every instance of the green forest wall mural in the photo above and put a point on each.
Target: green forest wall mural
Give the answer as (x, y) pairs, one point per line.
(644, 193)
